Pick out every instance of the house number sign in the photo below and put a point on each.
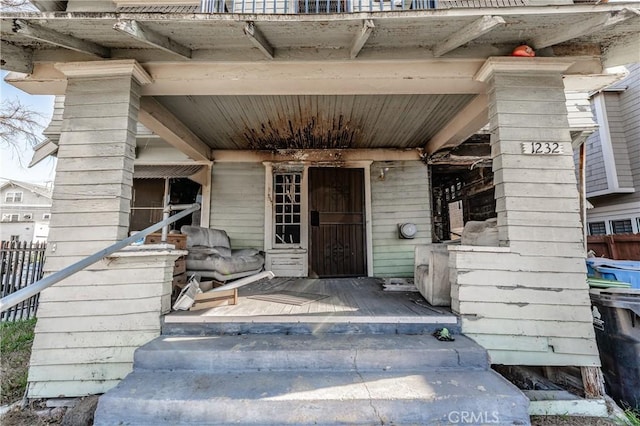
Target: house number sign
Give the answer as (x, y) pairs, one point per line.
(542, 148)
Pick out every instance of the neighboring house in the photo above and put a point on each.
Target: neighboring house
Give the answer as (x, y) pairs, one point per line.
(613, 158)
(25, 211)
(295, 123)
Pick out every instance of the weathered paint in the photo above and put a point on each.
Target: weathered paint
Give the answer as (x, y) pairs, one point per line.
(402, 196)
(534, 287)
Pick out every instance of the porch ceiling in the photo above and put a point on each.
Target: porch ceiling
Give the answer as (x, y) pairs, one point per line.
(315, 122)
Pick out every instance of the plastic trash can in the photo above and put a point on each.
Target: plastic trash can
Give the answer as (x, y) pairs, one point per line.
(625, 275)
(616, 319)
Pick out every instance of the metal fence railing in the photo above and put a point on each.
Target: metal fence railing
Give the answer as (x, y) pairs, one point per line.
(21, 265)
(312, 6)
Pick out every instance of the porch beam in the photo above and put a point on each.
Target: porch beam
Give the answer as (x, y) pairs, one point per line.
(162, 122)
(14, 58)
(588, 26)
(152, 38)
(467, 122)
(56, 38)
(472, 31)
(316, 155)
(258, 39)
(361, 37)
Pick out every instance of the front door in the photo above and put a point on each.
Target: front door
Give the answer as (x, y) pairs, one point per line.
(337, 222)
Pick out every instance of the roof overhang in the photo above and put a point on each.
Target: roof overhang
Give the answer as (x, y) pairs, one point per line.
(209, 60)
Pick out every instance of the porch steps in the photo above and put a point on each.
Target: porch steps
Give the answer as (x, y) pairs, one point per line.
(323, 379)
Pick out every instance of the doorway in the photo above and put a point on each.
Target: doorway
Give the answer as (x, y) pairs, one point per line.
(337, 246)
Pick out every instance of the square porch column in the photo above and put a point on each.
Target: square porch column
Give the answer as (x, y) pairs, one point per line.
(527, 301)
(90, 323)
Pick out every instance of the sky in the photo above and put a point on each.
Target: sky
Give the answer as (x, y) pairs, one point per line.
(14, 166)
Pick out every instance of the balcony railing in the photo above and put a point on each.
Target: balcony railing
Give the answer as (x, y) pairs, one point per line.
(313, 6)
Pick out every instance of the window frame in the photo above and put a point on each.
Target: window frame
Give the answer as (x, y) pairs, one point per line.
(278, 218)
(604, 227)
(10, 196)
(627, 222)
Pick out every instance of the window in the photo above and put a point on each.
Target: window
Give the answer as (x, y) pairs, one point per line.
(10, 217)
(286, 206)
(46, 216)
(15, 238)
(27, 216)
(597, 228)
(322, 6)
(13, 197)
(621, 226)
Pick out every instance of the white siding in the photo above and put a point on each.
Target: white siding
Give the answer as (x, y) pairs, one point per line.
(403, 196)
(528, 302)
(90, 323)
(237, 203)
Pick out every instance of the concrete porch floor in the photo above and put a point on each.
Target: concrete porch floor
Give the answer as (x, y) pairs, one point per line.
(350, 302)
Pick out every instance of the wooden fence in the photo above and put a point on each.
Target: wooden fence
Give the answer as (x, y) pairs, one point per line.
(22, 264)
(617, 246)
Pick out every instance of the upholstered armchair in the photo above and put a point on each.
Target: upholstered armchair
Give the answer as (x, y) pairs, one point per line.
(210, 255)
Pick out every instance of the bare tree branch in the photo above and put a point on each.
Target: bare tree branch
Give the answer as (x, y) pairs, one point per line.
(16, 6)
(20, 127)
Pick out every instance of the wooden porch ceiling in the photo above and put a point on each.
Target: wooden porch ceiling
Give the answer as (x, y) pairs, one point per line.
(359, 80)
(315, 122)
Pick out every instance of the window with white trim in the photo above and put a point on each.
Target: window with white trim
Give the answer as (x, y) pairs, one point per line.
(15, 238)
(622, 226)
(287, 208)
(46, 216)
(13, 197)
(10, 217)
(597, 228)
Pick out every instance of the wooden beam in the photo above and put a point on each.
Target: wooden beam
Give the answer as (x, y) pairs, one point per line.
(162, 122)
(66, 41)
(316, 155)
(258, 39)
(145, 35)
(361, 38)
(467, 122)
(14, 58)
(470, 32)
(588, 26)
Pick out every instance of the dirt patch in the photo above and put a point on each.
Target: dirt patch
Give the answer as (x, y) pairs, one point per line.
(35, 414)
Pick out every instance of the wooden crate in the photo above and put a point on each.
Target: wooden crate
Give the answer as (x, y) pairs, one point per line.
(214, 299)
(178, 240)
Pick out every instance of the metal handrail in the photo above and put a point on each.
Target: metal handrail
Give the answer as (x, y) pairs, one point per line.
(13, 299)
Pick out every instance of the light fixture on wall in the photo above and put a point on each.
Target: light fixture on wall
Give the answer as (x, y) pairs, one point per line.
(383, 173)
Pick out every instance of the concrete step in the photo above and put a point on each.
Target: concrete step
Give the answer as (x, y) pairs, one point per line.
(203, 326)
(313, 397)
(320, 352)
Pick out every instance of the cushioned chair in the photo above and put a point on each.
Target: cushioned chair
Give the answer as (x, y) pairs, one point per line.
(210, 255)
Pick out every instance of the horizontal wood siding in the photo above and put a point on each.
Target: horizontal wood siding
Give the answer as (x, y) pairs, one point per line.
(403, 196)
(527, 302)
(629, 113)
(523, 316)
(237, 203)
(615, 117)
(90, 323)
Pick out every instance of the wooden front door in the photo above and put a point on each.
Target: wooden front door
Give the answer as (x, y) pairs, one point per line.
(337, 222)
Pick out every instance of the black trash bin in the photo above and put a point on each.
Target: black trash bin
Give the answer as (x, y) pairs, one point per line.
(616, 319)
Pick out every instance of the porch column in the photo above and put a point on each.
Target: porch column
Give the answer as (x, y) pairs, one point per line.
(90, 323)
(537, 198)
(527, 301)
